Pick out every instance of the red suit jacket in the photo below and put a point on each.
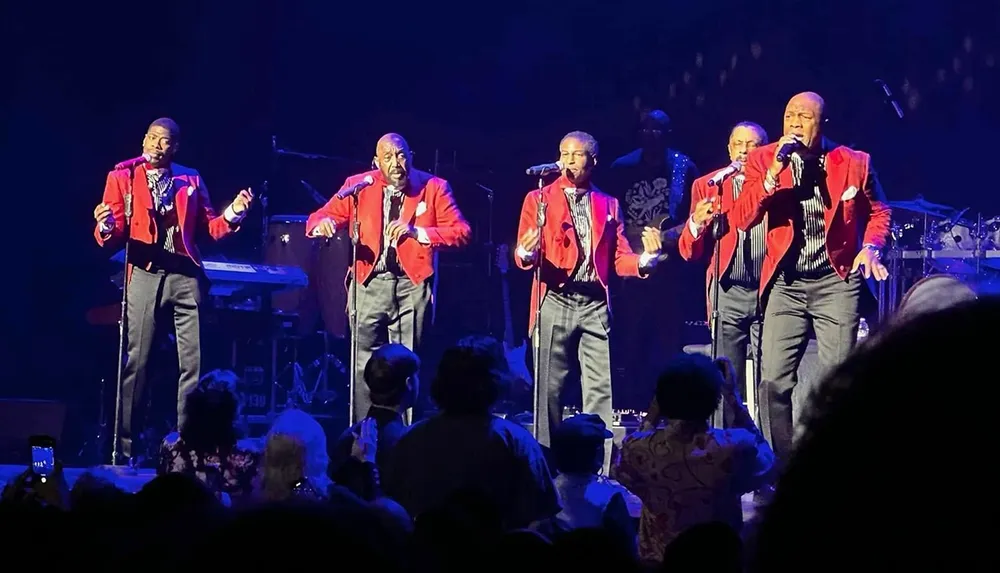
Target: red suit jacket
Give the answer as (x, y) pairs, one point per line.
(559, 244)
(691, 248)
(194, 210)
(856, 214)
(427, 204)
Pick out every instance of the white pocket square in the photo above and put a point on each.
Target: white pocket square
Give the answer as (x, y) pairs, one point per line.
(849, 193)
(191, 190)
(611, 217)
(421, 208)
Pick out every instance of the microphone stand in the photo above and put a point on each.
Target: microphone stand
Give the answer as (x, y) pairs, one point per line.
(355, 239)
(121, 319)
(718, 230)
(539, 259)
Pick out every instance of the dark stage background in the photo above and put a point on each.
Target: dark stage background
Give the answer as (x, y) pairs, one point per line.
(487, 89)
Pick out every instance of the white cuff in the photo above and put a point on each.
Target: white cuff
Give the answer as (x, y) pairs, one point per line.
(106, 228)
(524, 253)
(694, 228)
(422, 237)
(231, 216)
(645, 259)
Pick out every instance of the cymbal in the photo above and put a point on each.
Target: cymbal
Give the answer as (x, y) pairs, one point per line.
(921, 205)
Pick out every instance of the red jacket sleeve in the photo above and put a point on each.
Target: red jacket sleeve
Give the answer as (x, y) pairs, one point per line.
(450, 229)
(529, 220)
(689, 246)
(337, 210)
(880, 215)
(626, 262)
(113, 197)
(208, 221)
(751, 205)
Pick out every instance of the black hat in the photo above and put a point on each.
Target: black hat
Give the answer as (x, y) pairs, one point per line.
(582, 428)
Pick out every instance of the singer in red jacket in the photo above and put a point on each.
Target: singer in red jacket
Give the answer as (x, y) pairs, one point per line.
(742, 255)
(826, 222)
(582, 240)
(171, 211)
(404, 216)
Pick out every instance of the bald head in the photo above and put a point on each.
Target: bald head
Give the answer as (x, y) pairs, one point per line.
(392, 158)
(804, 118)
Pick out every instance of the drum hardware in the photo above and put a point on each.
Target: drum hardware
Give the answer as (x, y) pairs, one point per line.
(928, 240)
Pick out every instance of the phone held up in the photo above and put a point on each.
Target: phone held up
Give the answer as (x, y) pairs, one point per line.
(43, 456)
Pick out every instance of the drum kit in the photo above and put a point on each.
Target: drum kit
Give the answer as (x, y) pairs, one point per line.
(932, 240)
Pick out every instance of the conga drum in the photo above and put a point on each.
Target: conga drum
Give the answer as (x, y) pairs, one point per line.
(325, 262)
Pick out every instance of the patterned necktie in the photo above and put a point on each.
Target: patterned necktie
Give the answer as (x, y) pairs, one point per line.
(160, 183)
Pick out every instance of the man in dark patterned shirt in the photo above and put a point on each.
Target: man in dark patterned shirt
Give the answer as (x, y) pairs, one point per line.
(653, 183)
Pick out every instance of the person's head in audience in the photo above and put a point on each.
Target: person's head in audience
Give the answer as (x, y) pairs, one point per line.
(283, 469)
(296, 423)
(469, 376)
(95, 492)
(895, 451)
(578, 444)
(712, 546)
(392, 376)
(689, 388)
(210, 413)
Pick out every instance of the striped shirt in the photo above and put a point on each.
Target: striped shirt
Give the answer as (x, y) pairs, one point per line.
(579, 208)
(392, 206)
(809, 246)
(749, 255)
(161, 185)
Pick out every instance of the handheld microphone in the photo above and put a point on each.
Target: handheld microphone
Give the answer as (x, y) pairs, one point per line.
(134, 162)
(726, 173)
(544, 168)
(354, 189)
(788, 149)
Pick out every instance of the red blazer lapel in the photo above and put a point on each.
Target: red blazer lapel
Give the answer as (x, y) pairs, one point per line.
(370, 217)
(598, 218)
(562, 243)
(183, 190)
(837, 176)
(142, 198)
(412, 198)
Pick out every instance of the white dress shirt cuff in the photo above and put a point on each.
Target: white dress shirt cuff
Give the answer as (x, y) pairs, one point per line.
(106, 228)
(646, 259)
(694, 228)
(422, 237)
(232, 216)
(524, 253)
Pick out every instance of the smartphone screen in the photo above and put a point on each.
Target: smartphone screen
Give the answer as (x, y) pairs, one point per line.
(43, 460)
(43, 455)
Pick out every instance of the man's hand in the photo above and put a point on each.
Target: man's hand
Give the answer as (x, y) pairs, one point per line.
(103, 216)
(651, 242)
(365, 441)
(397, 229)
(529, 240)
(778, 166)
(869, 262)
(242, 201)
(325, 228)
(704, 211)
